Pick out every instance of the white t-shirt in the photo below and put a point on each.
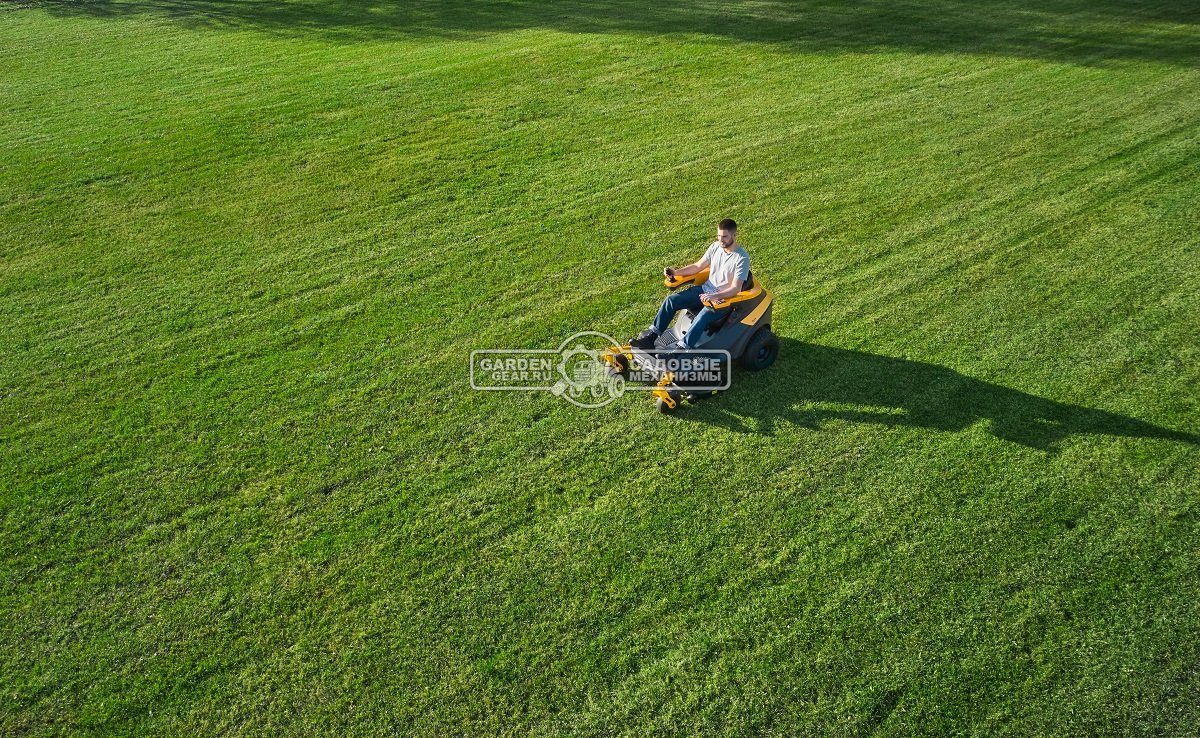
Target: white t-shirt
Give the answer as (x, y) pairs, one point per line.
(723, 267)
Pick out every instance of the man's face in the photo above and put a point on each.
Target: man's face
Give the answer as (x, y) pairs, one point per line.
(726, 237)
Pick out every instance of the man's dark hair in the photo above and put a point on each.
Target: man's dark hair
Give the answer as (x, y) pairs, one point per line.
(727, 225)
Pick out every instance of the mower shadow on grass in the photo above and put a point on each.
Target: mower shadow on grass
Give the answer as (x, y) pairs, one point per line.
(1091, 32)
(811, 384)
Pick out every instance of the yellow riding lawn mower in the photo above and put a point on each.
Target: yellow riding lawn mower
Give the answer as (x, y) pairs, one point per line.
(741, 333)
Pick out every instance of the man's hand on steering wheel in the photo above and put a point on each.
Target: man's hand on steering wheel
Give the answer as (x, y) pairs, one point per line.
(669, 272)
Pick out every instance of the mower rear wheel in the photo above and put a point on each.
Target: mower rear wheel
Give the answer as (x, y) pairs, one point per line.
(761, 351)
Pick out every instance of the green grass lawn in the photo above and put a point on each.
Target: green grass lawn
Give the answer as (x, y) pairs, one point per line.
(247, 247)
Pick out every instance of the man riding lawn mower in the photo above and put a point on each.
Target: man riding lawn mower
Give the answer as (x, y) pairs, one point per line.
(724, 310)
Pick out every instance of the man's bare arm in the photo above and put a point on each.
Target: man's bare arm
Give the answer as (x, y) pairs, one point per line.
(729, 290)
(686, 271)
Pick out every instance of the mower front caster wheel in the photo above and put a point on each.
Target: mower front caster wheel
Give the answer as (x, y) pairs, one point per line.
(621, 369)
(664, 407)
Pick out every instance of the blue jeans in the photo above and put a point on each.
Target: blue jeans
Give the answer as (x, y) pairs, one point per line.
(688, 299)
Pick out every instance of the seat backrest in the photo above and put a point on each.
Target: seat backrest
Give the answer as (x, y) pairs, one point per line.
(749, 283)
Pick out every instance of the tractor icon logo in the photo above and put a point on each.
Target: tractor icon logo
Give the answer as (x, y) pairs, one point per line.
(583, 380)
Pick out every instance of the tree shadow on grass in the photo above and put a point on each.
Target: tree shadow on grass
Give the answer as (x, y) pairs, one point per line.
(811, 384)
(1093, 32)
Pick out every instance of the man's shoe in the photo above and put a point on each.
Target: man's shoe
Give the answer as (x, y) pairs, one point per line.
(645, 339)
